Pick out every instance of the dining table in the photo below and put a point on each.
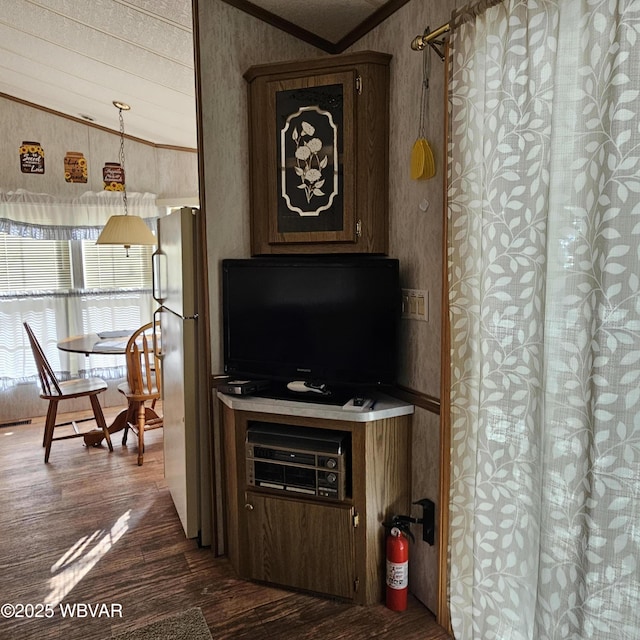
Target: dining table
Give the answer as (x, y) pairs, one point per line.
(103, 343)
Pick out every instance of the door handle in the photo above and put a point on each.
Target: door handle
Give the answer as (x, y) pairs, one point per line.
(157, 327)
(158, 275)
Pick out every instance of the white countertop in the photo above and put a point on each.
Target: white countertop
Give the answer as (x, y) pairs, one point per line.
(384, 407)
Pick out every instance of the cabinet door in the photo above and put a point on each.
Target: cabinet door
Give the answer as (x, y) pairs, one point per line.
(304, 191)
(299, 544)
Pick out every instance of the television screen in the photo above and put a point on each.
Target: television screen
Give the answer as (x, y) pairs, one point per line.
(332, 321)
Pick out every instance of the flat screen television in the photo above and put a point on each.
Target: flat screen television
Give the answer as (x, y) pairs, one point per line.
(329, 320)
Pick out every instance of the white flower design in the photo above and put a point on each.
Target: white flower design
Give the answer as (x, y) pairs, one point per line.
(314, 145)
(308, 163)
(303, 153)
(312, 175)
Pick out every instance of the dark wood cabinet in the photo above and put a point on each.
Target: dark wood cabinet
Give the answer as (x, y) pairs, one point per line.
(288, 544)
(318, 134)
(330, 547)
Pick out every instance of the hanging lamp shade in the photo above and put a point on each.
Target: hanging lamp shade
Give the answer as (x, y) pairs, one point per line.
(126, 230)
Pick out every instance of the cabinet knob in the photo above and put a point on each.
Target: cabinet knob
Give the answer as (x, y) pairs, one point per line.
(248, 507)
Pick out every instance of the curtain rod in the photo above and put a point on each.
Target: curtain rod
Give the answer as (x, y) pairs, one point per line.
(429, 38)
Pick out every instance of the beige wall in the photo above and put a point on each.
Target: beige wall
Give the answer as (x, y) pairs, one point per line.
(416, 240)
(230, 42)
(166, 172)
(415, 235)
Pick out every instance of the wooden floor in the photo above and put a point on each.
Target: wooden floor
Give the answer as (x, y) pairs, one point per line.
(93, 528)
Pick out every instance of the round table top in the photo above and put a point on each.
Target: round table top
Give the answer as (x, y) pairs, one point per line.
(107, 343)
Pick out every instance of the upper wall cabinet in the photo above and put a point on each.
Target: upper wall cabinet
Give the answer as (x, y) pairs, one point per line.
(319, 133)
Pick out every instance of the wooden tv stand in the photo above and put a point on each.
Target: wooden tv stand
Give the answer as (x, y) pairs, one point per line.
(334, 548)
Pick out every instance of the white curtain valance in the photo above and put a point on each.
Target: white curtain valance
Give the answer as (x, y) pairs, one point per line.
(43, 216)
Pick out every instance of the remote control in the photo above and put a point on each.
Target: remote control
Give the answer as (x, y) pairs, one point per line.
(358, 404)
(302, 387)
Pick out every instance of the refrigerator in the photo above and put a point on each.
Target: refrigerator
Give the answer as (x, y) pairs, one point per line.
(178, 288)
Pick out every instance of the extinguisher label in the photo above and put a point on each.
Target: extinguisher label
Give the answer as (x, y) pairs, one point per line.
(397, 575)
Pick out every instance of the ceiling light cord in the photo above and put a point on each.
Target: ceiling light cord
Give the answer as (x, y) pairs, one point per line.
(121, 158)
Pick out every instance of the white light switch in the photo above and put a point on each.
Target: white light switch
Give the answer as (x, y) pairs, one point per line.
(415, 304)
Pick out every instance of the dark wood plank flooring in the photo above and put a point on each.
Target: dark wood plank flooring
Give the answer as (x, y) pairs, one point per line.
(93, 528)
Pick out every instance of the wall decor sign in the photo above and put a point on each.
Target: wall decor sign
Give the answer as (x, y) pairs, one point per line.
(75, 167)
(113, 176)
(31, 157)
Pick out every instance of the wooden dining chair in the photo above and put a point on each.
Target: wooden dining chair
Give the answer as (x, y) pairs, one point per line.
(56, 391)
(144, 384)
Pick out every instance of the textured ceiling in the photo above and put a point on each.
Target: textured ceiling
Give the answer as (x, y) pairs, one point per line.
(338, 18)
(78, 56)
(331, 25)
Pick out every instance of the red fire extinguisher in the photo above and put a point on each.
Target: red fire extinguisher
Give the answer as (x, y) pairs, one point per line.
(397, 567)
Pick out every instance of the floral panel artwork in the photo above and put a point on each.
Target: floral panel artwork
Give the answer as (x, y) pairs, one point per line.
(311, 163)
(310, 130)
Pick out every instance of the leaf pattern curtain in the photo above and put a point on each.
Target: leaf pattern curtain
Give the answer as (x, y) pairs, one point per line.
(544, 293)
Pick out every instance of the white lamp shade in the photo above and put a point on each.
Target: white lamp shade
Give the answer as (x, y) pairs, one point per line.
(126, 230)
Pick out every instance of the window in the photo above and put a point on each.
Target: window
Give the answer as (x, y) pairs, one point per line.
(63, 288)
(52, 265)
(105, 267)
(34, 265)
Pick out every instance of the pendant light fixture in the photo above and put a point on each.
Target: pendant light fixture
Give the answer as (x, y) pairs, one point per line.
(126, 229)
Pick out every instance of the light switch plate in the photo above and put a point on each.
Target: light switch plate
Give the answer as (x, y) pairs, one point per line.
(415, 304)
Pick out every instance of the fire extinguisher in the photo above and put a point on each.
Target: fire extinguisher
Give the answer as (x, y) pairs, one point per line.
(397, 545)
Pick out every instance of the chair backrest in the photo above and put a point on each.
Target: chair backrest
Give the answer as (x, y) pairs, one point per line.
(144, 372)
(48, 381)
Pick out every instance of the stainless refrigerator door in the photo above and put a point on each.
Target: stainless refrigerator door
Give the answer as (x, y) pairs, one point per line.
(180, 409)
(186, 429)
